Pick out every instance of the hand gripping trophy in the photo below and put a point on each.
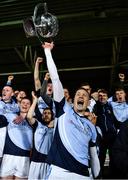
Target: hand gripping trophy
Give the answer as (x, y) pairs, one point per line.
(42, 24)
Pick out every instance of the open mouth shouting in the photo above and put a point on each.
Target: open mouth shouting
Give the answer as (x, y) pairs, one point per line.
(80, 104)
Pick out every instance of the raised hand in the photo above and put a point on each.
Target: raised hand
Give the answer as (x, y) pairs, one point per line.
(34, 97)
(18, 119)
(39, 60)
(10, 78)
(121, 76)
(47, 45)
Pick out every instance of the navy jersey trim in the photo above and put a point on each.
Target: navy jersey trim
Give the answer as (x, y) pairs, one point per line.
(11, 149)
(92, 144)
(59, 156)
(3, 121)
(37, 156)
(59, 107)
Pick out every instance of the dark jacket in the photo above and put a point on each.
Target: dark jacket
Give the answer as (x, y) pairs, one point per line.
(105, 119)
(120, 152)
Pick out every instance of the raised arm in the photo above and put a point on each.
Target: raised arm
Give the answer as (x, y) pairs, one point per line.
(9, 81)
(31, 111)
(58, 92)
(43, 89)
(36, 73)
(94, 162)
(121, 77)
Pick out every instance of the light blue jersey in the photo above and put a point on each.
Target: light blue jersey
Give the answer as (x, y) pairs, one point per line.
(7, 110)
(8, 107)
(42, 105)
(20, 134)
(73, 136)
(120, 111)
(43, 137)
(76, 132)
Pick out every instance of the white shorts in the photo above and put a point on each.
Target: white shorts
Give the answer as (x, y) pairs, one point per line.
(58, 173)
(2, 139)
(15, 166)
(38, 170)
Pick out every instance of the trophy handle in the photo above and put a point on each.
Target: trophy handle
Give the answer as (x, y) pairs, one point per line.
(44, 5)
(29, 27)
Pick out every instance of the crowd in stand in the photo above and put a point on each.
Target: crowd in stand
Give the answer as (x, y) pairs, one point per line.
(56, 137)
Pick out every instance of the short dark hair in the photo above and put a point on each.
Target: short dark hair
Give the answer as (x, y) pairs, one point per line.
(120, 89)
(8, 85)
(81, 88)
(26, 97)
(103, 91)
(84, 84)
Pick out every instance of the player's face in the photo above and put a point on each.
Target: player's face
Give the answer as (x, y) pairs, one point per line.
(102, 97)
(25, 105)
(121, 96)
(49, 89)
(7, 93)
(66, 93)
(81, 100)
(21, 95)
(47, 115)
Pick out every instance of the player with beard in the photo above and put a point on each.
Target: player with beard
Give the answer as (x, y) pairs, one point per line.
(74, 144)
(43, 136)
